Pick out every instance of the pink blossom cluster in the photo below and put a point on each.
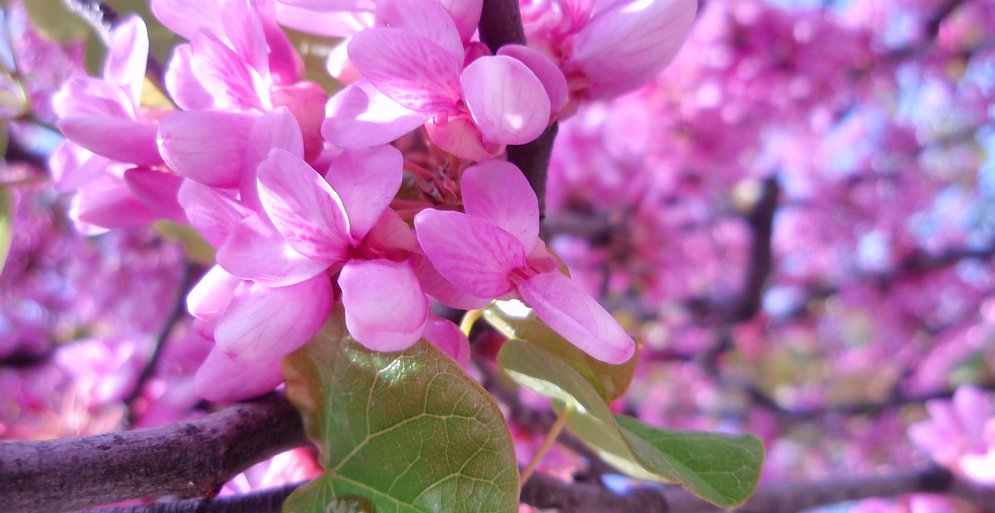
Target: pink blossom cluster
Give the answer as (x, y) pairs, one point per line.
(304, 198)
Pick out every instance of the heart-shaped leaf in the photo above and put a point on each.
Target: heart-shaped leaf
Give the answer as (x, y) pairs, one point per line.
(610, 381)
(720, 468)
(409, 431)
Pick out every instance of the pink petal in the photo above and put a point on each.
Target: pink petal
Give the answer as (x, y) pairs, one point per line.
(209, 298)
(409, 68)
(182, 85)
(211, 212)
(306, 101)
(498, 192)
(459, 136)
(72, 166)
(629, 42)
(187, 17)
(259, 325)
(507, 101)
(206, 146)
(303, 207)
(423, 17)
(545, 70)
(108, 203)
(392, 236)
(466, 15)
(227, 76)
(119, 139)
(242, 26)
(473, 254)
(126, 57)
(274, 129)
(157, 191)
(366, 180)
(360, 116)
(224, 380)
(568, 310)
(255, 251)
(88, 96)
(443, 290)
(385, 308)
(446, 336)
(342, 23)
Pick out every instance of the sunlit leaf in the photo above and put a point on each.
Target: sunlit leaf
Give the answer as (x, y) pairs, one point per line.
(6, 221)
(196, 248)
(722, 469)
(314, 51)
(409, 431)
(610, 381)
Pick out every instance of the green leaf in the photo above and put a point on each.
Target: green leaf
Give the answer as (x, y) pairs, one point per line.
(195, 247)
(6, 219)
(56, 21)
(409, 431)
(610, 381)
(722, 469)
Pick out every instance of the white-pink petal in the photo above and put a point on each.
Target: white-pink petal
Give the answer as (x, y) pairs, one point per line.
(227, 76)
(498, 192)
(119, 139)
(303, 207)
(473, 254)
(629, 42)
(443, 290)
(255, 251)
(409, 68)
(360, 116)
(446, 336)
(127, 55)
(187, 17)
(206, 146)
(157, 191)
(568, 310)
(209, 298)
(211, 211)
(545, 70)
(264, 323)
(366, 180)
(507, 101)
(385, 308)
(182, 85)
(424, 17)
(466, 15)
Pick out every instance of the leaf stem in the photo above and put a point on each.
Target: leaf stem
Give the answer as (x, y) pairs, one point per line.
(469, 319)
(551, 436)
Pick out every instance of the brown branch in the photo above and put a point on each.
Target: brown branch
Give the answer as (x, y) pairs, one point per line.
(501, 24)
(188, 459)
(263, 501)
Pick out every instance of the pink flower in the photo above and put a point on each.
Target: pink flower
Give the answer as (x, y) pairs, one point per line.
(413, 73)
(494, 251)
(960, 434)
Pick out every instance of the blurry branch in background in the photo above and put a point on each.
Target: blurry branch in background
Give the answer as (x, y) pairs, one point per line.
(187, 459)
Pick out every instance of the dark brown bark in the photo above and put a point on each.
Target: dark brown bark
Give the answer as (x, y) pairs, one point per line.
(188, 459)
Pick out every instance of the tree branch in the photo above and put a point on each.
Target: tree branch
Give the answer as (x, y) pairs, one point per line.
(262, 501)
(187, 459)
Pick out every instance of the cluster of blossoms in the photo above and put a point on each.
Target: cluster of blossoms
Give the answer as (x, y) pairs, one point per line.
(305, 198)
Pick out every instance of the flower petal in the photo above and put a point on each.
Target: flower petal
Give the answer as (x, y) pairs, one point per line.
(498, 192)
(459, 136)
(629, 42)
(211, 212)
(119, 139)
(446, 336)
(222, 379)
(473, 254)
(127, 55)
(545, 70)
(260, 325)
(366, 180)
(360, 116)
(206, 146)
(424, 17)
(157, 191)
(88, 96)
(437, 286)
(243, 28)
(466, 15)
(569, 311)
(274, 129)
(385, 308)
(182, 85)
(409, 68)
(507, 101)
(303, 207)
(209, 298)
(227, 76)
(187, 17)
(255, 251)
(107, 202)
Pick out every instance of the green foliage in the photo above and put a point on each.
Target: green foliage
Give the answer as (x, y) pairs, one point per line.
(195, 247)
(409, 431)
(56, 21)
(610, 381)
(6, 219)
(722, 469)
